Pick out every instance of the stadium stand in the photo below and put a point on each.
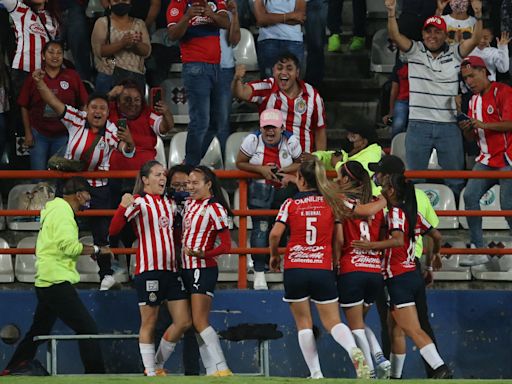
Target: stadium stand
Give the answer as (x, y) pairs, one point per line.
(442, 199)
(490, 201)
(25, 265)
(451, 270)
(160, 151)
(6, 269)
(382, 58)
(212, 158)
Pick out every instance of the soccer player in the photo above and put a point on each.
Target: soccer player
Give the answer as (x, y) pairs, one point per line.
(312, 216)
(156, 272)
(204, 220)
(399, 268)
(359, 272)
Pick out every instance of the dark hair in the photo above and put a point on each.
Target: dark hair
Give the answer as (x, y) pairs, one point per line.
(215, 190)
(95, 96)
(130, 84)
(51, 6)
(60, 43)
(179, 168)
(144, 171)
(285, 56)
(74, 185)
(406, 197)
(360, 179)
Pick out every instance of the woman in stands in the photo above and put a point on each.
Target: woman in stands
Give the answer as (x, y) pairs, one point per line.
(313, 216)
(359, 272)
(156, 273)
(205, 220)
(404, 224)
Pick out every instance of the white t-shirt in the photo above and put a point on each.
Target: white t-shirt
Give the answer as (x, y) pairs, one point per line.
(459, 30)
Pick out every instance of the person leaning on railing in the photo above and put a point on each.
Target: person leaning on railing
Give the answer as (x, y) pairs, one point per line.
(86, 129)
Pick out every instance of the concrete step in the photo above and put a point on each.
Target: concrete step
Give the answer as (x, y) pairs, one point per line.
(336, 89)
(347, 65)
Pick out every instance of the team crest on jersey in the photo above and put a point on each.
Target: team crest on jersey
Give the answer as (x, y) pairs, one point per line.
(490, 110)
(300, 105)
(163, 222)
(152, 297)
(174, 12)
(284, 154)
(102, 145)
(64, 84)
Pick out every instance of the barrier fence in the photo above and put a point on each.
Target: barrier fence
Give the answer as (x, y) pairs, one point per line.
(244, 211)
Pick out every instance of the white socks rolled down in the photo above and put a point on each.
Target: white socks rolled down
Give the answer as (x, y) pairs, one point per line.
(397, 365)
(307, 345)
(147, 352)
(343, 336)
(362, 343)
(431, 356)
(165, 349)
(212, 343)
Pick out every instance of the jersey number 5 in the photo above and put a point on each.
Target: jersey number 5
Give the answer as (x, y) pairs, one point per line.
(311, 230)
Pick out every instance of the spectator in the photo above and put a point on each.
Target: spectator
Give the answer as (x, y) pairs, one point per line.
(272, 153)
(92, 140)
(398, 99)
(44, 132)
(196, 24)
(315, 24)
(490, 110)
(57, 251)
(358, 41)
(120, 43)
(220, 125)
(146, 10)
(301, 105)
(280, 31)
(496, 59)
(433, 83)
(459, 24)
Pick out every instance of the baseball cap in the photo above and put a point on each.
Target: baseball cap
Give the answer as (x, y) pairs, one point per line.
(388, 164)
(436, 21)
(474, 62)
(272, 117)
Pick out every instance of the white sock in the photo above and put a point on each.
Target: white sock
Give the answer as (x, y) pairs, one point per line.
(211, 339)
(342, 335)
(205, 356)
(397, 364)
(165, 349)
(375, 348)
(362, 343)
(307, 345)
(147, 352)
(431, 356)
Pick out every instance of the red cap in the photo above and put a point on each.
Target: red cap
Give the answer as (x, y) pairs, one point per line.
(474, 62)
(436, 21)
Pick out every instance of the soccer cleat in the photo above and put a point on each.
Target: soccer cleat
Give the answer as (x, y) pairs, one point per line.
(222, 373)
(334, 43)
(107, 282)
(362, 370)
(384, 370)
(357, 43)
(442, 372)
(158, 372)
(260, 283)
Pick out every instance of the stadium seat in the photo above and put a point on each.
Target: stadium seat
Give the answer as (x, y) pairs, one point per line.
(232, 148)
(6, 270)
(160, 152)
(25, 265)
(442, 199)
(88, 268)
(245, 51)
(21, 223)
(236, 205)
(398, 149)
(490, 201)
(2, 218)
(228, 265)
(497, 269)
(94, 9)
(176, 99)
(382, 58)
(212, 158)
(451, 270)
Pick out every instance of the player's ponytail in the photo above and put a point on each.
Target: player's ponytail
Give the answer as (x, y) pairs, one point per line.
(144, 171)
(359, 180)
(215, 189)
(406, 198)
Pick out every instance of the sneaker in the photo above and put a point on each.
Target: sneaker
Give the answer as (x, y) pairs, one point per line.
(357, 43)
(158, 372)
(472, 260)
(362, 370)
(442, 372)
(107, 283)
(384, 370)
(222, 373)
(260, 283)
(334, 43)
(316, 375)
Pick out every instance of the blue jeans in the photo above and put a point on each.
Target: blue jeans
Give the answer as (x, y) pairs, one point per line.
(446, 138)
(201, 81)
(103, 83)
(316, 18)
(44, 148)
(219, 123)
(400, 117)
(270, 49)
(358, 10)
(474, 191)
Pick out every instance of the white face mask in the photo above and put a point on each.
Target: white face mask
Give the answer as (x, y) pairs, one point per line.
(459, 6)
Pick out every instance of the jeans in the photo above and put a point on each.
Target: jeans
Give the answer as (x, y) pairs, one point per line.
(400, 117)
(44, 148)
(446, 138)
(201, 81)
(358, 10)
(100, 199)
(316, 12)
(104, 83)
(474, 191)
(61, 301)
(219, 122)
(270, 49)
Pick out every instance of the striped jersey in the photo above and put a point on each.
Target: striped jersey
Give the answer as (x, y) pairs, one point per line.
(303, 115)
(81, 138)
(400, 260)
(202, 220)
(433, 83)
(31, 35)
(153, 219)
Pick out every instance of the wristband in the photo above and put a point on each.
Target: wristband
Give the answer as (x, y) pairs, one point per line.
(429, 268)
(96, 250)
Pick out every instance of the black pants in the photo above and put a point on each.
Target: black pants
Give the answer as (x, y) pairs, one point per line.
(100, 199)
(61, 301)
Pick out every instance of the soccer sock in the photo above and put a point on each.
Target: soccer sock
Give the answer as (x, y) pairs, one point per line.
(342, 335)
(362, 343)
(307, 345)
(374, 345)
(205, 356)
(397, 365)
(431, 356)
(147, 352)
(211, 339)
(165, 349)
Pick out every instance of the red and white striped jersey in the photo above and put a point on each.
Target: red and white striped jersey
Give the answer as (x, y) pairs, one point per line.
(153, 218)
(31, 35)
(402, 259)
(303, 115)
(202, 220)
(493, 106)
(311, 224)
(81, 138)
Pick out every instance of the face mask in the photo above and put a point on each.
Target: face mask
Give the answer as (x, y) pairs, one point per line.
(86, 205)
(179, 196)
(121, 9)
(459, 6)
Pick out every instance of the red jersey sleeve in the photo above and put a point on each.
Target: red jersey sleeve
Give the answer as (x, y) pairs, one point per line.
(118, 221)
(396, 220)
(284, 212)
(133, 210)
(261, 89)
(318, 118)
(219, 217)
(504, 102)
(175, 11)
(422, 225)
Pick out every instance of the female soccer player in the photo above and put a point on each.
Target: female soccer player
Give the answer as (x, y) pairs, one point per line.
(156, 273)
(359, 273)
(315, 234)
(205, 219)
(402, 282)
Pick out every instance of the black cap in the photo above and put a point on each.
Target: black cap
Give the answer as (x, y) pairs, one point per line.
(389, 164)
(367, 132)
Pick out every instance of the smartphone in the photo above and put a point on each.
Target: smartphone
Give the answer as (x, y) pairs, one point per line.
(462, 117)
(122, 124)
(156, 95)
